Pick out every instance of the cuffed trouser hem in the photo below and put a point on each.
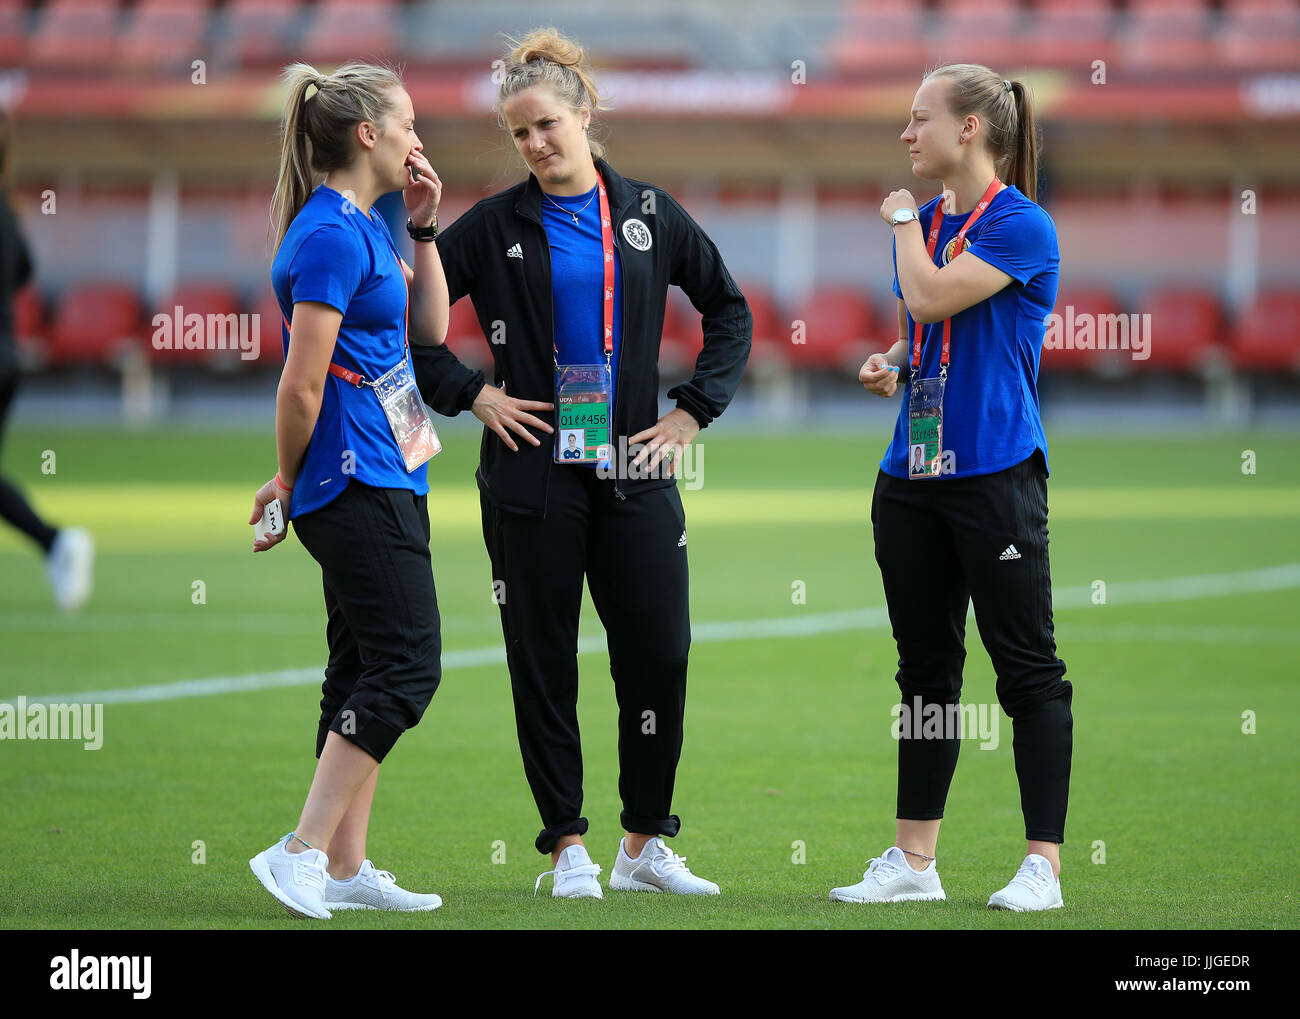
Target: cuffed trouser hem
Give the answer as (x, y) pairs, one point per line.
(668, 826)
(383, 628)
(1040, 835)
(549, 836)
(919, 815)
(362, 728)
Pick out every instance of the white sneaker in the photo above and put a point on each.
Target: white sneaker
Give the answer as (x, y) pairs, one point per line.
(657, 869)
(574, 876)
(376, 889)
(889, 878)
(70, 568)
(296, 879)
(1034, 887)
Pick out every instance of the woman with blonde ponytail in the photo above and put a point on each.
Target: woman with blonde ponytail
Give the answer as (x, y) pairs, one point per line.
(976, 276)
(352, 442)
(569, 273)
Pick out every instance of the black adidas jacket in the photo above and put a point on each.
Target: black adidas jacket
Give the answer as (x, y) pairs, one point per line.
(512, 298)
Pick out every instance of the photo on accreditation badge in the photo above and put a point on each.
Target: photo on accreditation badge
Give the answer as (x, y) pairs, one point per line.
(918, 465)
(572, 443)
(462, 468)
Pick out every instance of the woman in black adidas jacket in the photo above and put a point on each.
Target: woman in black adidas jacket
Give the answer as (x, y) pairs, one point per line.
(548, 524)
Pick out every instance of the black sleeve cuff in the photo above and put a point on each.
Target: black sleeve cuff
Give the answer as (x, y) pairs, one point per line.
(445, 384)
(693, 407)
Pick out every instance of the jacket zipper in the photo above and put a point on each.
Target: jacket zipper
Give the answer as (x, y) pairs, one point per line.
(622, 333)
(550, 290)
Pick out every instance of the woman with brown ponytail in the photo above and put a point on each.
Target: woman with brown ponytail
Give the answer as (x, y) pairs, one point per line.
(569, 273)
(351, 474)
(975, 279)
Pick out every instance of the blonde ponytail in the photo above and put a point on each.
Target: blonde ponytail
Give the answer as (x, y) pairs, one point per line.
(316, 129)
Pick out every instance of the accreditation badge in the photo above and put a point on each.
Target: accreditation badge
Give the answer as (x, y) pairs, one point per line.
(925, 428)
(407, 416)
(584, 395)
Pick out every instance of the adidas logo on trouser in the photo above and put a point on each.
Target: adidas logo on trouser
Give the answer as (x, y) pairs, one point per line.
(1009, 553)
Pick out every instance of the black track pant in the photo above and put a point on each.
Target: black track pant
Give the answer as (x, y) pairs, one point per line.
(941, 543)
(633, 554)
(14, 509)
(385, 639)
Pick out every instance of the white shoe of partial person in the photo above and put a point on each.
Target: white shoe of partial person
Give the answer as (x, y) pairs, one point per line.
(297, 880)
(376, 889)
(70, 568)
(574, 876)
(1033, 888)
(657, 869)
(890, 878)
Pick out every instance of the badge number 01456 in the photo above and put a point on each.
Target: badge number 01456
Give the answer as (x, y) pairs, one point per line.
(583, 399)
(925, 428)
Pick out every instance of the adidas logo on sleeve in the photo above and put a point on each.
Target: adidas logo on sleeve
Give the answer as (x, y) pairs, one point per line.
(1009, 553)
(515, 251)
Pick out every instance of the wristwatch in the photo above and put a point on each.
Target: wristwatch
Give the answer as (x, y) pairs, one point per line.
(902, 216)
(422, 233)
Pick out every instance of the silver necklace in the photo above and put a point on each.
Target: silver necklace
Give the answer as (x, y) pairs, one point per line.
(568, 212)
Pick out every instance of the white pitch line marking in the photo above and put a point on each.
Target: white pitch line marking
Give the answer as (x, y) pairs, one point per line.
(1118, 594)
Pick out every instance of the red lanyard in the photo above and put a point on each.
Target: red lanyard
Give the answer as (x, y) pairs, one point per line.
(607, 248)
(936, 221)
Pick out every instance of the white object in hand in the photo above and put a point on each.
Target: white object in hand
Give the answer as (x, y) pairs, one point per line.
(272, 522)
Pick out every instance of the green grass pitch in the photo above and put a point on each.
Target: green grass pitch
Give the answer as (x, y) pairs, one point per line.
(788, 777)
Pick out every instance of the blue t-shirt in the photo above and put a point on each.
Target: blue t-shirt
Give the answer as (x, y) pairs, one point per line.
(991, 419)
(335, 254)
(578, 283)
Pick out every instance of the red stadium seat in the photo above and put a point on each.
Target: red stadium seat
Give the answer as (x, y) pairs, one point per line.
(271, 322)
(96, 324)
(837, 330)
(1186, 328)
(879, 37)
(682, 337)
(886, 332)
(771, 329)
(465, 337)
(29, 327)
(13, 37)
(1167, 35)
(1267, 337)
(1079, 313)
(260, 32)
(203, 299)
(1260, 35)
(1069, 33)
(343, 30)
(164, 33)
(978, 32)
(76, 35)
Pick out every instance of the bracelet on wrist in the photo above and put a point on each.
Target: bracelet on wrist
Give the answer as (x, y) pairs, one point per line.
(280, 482)
(422, 233)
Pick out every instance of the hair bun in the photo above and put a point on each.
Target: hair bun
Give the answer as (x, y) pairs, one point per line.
(547, 44)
